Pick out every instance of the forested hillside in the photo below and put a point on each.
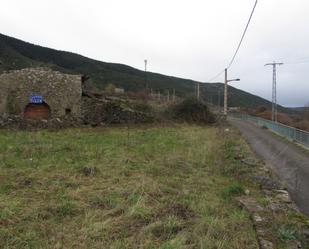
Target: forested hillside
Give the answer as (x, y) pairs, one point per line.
(17, 54)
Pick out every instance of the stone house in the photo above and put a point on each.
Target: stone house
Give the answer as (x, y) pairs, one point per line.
(40, 93)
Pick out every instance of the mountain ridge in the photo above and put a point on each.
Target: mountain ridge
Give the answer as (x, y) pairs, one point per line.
(18, 54)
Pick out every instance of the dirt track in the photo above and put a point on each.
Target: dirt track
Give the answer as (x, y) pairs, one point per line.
(289, 162)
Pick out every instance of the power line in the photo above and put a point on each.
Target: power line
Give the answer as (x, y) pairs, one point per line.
(217, 75)
(243, 36)
(239, 45)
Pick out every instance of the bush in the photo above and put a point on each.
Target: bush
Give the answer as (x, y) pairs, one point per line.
(110, 88)
(191, 110)
(141, 106)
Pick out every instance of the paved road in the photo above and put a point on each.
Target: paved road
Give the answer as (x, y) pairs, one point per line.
(289, 162)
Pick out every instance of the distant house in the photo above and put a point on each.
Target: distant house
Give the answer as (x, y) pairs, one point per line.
(234, 109)
(40, 93)
(119, 90)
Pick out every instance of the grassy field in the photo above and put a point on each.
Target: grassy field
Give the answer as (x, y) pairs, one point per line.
(147, 187)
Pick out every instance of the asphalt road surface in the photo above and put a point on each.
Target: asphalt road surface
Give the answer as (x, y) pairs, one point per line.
(288, 161)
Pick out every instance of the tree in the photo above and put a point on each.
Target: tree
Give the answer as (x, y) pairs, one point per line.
(110, 88)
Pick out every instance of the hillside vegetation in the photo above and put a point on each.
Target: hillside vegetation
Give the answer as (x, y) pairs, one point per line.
(17, 54)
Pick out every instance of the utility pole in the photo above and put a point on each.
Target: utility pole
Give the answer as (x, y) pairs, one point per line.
(174, 95)
(274, 90)
(168, 95)
(198, 90)
(146, 82)
(225, 93)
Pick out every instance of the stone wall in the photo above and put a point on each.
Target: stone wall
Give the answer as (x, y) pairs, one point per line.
(60, 91)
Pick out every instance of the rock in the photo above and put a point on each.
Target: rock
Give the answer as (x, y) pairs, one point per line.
(277, 207)
(238, 157)
(98, 111)
(265, 169)
(18, 122)
(266, 182)
(250, 204)
(294, 245)
(260, 220)
(257, 218)
(306, 233)
(261, 231)
(249, 161)
(283, 196)
(264, 244)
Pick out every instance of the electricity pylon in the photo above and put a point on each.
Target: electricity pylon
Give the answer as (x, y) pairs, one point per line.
(274, 93)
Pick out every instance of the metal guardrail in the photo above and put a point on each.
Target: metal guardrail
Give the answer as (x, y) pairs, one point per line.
(291, 133)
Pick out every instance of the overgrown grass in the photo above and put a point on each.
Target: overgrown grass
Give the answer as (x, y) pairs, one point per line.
(160, 187)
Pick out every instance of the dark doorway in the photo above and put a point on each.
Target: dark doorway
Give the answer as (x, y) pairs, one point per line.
(68, 111)
(37, 111)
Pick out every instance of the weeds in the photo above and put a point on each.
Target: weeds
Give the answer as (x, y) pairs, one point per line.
(88, 189)
(232, 190)
(287, 234)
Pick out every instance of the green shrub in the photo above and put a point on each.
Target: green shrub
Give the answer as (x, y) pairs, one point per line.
(232, 190)
(191, 110)
(141, 106)
(287, 234)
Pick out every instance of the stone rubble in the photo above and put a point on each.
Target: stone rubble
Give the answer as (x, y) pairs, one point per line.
(18, 122)
(97, 111)
(278, 200)
(259, 221)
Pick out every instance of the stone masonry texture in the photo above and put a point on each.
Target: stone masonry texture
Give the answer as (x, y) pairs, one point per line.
(60, 91)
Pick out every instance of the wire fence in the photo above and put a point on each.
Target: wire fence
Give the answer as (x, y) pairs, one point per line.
(291, 133)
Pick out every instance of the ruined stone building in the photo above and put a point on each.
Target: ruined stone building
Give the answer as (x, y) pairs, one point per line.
(40, 93)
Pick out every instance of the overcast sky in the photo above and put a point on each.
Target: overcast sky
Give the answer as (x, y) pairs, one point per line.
(191, 39)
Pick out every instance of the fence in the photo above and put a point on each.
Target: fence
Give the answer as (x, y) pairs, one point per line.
(291, 133)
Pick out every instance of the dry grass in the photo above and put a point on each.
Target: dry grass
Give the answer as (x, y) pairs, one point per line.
(161, 187)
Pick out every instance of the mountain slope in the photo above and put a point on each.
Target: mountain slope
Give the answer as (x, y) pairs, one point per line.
(17, 54)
